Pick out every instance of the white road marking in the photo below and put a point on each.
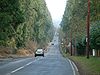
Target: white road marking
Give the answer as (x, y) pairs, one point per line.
(17, 69)
(23, 66)
(75, 66)
(72, 67)
(29, 63)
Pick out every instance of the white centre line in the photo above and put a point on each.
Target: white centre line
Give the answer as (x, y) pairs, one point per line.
(17, 69)
(29, 63)
(23, 66)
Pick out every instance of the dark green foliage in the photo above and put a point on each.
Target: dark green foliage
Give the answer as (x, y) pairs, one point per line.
(95, 10)
(74, 23)
(10, 12)
(5, 20)
(3, 36)
(95, 35)
(24, 20)
(80, 49)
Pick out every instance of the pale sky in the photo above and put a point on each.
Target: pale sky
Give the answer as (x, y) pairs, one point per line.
(56, 8)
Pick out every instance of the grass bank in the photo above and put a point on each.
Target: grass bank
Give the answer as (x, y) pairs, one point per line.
(86, 66)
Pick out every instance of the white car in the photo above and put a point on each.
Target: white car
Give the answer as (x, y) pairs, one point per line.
(39, 52)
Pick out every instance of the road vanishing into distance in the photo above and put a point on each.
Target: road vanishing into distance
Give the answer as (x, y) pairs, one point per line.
(53, 63)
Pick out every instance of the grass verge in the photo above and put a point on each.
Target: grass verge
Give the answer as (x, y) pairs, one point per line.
(86, 66)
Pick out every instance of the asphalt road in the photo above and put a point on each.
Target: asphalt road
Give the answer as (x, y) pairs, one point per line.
(51, 64)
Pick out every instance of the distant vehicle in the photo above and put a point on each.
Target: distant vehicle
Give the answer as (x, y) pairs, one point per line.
(52, 44)
(39, 52)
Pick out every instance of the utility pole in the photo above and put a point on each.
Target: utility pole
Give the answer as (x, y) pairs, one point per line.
(75, 46)
(71, 43)
(88, 31)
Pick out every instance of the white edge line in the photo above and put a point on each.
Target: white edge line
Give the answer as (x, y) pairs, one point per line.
(75, 66)
(72, 67)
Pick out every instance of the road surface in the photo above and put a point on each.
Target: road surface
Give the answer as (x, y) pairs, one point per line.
(53, 63)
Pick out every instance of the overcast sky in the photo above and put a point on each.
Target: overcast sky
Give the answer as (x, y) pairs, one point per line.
(56, 8)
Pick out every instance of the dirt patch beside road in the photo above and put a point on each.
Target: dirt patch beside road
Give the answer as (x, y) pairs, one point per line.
(4, 52)
(8, 53)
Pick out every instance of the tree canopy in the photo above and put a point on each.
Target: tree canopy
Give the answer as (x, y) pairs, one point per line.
(24, 20)
(74, 21)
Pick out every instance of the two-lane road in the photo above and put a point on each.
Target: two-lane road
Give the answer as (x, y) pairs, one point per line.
(52, 64)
